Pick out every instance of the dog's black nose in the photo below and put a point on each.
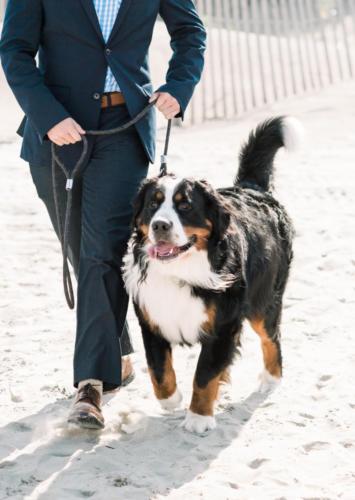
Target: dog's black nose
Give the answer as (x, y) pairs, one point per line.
(161, 226)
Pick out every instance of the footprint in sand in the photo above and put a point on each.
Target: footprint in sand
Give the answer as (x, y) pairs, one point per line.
(347, 444)
(87, 494)
(322, 380)
(255, 464)
(315, 446)
(81, 493)
(119, 482)
(306, 415)
(21, 427)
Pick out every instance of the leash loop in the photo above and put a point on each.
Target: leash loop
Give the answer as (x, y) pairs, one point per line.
(63, 230)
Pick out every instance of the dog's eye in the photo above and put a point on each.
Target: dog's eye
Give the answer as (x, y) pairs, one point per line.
(184, 206)
(153, 204)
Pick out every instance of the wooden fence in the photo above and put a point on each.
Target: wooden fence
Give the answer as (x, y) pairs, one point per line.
(263, 51)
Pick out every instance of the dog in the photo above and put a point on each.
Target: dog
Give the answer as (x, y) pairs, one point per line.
(201, 260)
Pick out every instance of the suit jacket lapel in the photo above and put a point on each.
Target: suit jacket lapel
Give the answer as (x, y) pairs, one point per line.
(90, 10)
(120, 16)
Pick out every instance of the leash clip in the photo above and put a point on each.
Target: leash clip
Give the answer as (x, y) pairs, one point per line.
(164, 159)
(69, 184)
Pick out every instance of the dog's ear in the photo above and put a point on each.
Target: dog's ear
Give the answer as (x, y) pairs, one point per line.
(217, 210)
(139, 201)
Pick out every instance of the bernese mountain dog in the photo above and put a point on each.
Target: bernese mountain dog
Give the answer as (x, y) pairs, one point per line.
(202, 260)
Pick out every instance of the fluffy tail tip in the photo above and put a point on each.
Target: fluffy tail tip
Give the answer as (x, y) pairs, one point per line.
(293, 133)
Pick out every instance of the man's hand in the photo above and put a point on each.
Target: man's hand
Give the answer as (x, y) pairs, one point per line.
(66, 132)
(167, 104)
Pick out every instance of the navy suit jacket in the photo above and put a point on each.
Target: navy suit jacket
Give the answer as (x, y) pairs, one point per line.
(73, 60)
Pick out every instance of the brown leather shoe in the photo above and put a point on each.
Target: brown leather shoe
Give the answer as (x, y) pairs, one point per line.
(86, 411)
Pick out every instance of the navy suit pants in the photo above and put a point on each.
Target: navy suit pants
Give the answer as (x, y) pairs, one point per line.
(99, 231)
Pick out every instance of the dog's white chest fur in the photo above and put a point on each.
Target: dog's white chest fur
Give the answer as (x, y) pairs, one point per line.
(166, 296)
(171, 307)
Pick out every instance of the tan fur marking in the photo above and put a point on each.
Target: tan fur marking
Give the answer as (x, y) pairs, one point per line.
(225, 377)
(269, 348)
(144, 228)
(178, 197)
(148, 320)
(202, 234)
(203, 398)
(208, 326)
(159, 195)
(168, 385)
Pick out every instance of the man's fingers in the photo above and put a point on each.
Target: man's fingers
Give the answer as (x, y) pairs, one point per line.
(65, 139)
(75, 136)
(171, 111)
(162, 100)
(154, 96)
(66, 132)
(79, 129)
(68, 139)
(170, 116)
(166, 104)
(172, 108)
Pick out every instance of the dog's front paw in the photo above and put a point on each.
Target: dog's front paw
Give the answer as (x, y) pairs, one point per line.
(198, 423)
(268, 382)
(172, 402)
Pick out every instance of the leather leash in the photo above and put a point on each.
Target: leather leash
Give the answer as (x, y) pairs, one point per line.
(79, 168)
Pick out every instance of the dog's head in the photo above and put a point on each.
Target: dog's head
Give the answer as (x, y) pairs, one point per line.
(174, 218)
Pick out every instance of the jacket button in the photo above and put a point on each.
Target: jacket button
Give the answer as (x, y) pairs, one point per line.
(108, 52)
(96, 96)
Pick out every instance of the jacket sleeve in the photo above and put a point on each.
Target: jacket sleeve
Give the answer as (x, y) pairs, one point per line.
(19, 45)
(188, 37)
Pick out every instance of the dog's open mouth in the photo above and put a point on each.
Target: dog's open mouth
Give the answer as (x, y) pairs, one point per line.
(164, 250)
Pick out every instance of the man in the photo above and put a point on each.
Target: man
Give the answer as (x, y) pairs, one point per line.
(93, 73)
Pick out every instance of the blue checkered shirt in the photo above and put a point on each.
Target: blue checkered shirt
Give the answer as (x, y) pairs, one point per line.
(107, 11)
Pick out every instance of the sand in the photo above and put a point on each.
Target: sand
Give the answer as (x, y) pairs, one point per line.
(298, 442)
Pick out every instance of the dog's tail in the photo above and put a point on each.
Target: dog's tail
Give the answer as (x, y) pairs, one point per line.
(256, 159)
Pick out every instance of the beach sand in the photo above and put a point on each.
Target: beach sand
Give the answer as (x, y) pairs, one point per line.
(297, 442)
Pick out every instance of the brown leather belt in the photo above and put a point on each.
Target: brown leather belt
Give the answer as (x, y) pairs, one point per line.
(112, 99)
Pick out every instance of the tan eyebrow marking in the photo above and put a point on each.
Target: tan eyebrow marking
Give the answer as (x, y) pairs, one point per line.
(159, 195)
(178, 197)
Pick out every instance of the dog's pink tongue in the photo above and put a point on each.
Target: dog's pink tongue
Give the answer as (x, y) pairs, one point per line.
(161, 249)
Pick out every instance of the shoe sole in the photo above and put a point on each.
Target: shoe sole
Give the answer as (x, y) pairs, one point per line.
(87, 422)
(128, 379)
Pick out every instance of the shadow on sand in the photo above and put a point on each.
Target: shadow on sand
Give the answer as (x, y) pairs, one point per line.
(40, 457)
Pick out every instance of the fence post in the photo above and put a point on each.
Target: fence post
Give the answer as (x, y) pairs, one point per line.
(304, 31)
(341, 12)
(221, 56)
(312, 27)
(277, 23)
(287, 33)
(210, 54)
(256, 31)
(265, 14)
(246, 27)
(227, 12)
(325, 43)
(236, 17)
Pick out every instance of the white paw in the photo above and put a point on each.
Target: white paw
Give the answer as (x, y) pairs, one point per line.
(172, 402)
(198, 423)
(268, 382)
